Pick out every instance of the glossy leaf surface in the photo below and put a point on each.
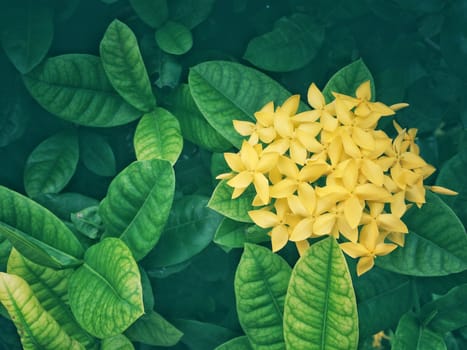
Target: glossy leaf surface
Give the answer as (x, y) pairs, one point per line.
(174, 38)
(97, 154)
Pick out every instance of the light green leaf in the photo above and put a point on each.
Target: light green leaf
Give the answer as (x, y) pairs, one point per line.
(152, 12)
(226, 91)
(153, 329)
(96, 154)
(348, 79)
(158, 136)
(233, 234)
(189, 229)
(27, 32)
(239, 343)
(37, 328)
(320, 309)
(117, 342)
(194, 126)
(74, 87)
(174, 38)
(138, 203)
(190, 12)
(437, 249)
(51, 164)
(261, 284)
(410, 335)
(124, 66)
(291, 45)
(105, 293)
(50, 288)
(36, 233)
(235, 209)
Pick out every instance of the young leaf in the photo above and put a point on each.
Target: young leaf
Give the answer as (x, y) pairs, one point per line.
(292, 44)
(96, 154)
(437, 249)
(320, 306)
(235, 209)
(410, 335)
(50, 287)
(194, 126)
(51, 164)
(233, 234)
(27, 32)
(153, 329)
(158, 136)
(174, 38)
(117, 342)
(239, 343)
(152, 12)
(105, 293)
(75, 87)
(124, 66)
(36, 233)
(189, 229)
(224, 91)
(138, 203)
(261, 284)
(348, 79)
(37, 328)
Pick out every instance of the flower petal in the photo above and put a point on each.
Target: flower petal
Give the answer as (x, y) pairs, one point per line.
(267, 161)
(243, 127)
(298, 152)
(384, 248)
(302, 246)
(365, 264)
(364, 91)
(391, 223)
(249, 156)
(241, 180)
(279, 237)
(354, 250)
(290, 106)
(324, 224)
(283, 188)
(353, 210)
(315, 97)
(372, 171)
(262, 187)
(302, 230)
(234, 162)
(263, 218)
(288, 167)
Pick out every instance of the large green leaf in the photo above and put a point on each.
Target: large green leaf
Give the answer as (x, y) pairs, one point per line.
(174, 38)
(437, 249)
(36, 233)
(105, 293)
(320, 310)
(233, 234)
(63, 204)
(50, 288)
(348, 79)
(410, 335)
(96, 154)
(194, 126)
(153, 329)
(51, 164)
(117, 342)
(158, 136)
(74, 87)
(235, 209)
(37, 328)
(292, 44)
(226, 91)
(239, 343)
(261, 284)
(189, 229)
(27, 32)
(448, 312)
(138, 203)
(190, 12)
(124, 66)
(152, 12)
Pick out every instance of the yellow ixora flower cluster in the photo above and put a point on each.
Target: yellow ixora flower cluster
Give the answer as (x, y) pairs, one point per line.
(329, 171)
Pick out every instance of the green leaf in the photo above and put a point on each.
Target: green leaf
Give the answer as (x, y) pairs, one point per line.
(194, 126)
(96, 154)
(124, 66)
(74, 87)
(348, 79)
(410, 335)
(117, 342)
(261, 284)
(87, 222)
(105, 293)
(239, 343)
(226, 91)
(50, 288)
(153, 329)
(158, 136)
(27, 32)
(233, 234)
(291, 45)
(189, 229)
(64, 204)
(235, 209)
(148, 294)
(437, 249)
(138, 203)
(37, 328)
(190, 12)
(152, 12)
(36, 233)
(448, 312)
(174, 38)
(51, 164)
(320, 309)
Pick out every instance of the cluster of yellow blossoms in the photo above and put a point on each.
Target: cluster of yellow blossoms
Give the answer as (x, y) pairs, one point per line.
(329, 171)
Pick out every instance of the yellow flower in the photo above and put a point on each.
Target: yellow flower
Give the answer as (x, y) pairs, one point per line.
(263, 130)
